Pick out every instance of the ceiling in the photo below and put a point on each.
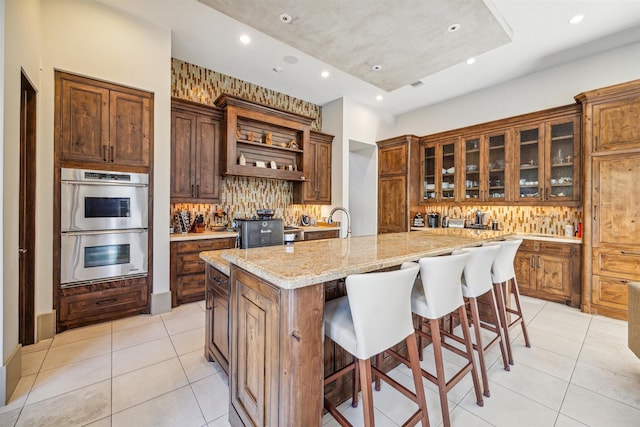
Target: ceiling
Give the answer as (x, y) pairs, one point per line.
(410, 41)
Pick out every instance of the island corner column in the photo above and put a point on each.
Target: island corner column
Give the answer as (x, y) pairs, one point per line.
(276, 363)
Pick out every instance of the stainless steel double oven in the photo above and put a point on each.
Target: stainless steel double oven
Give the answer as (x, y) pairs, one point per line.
(104, 226)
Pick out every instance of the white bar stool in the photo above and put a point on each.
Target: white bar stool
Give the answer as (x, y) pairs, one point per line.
(437, 294)
(374, 316)
(476, 283)
(504, 280)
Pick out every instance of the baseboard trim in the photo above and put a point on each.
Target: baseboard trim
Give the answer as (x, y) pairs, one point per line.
(46, 326)
(10, 374)
(160, 303)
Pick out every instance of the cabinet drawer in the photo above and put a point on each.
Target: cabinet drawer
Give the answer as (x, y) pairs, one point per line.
(557, 248)
(218, 281)
(78, 304)
(529, 245)
(609, 292)
(206, 245)
(617, 262)
(190, 287)
(317, 235)
(190, 263)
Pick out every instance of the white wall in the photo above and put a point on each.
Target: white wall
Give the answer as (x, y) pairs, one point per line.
(88, 38)
(363, 197)
(2, 323)
(553, 87)
(22, 52)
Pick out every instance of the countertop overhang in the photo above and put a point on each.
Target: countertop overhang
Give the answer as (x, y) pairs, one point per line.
(308, 263)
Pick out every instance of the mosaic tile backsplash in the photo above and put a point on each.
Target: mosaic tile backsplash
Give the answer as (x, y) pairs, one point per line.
(201, 85)
(516, 219)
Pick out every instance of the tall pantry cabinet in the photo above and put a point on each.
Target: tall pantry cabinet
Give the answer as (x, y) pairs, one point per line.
(611, 129)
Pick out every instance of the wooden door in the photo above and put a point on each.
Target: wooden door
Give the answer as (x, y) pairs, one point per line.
(529, 177)
(207, 160)
(525, 268)
(323, 173)
(616, 201)
(220, 333)
(392, 204)
(183, 136)
(609, 295)
(562, 160)
(84, 121)
(392, 160)
(616, 124)
(554, 275)
(27, 207)
(474, 157)
(130, 129)
(209, 322)
(496, 176)
(254, 386)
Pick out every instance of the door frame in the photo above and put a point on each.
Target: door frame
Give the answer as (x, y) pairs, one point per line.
(27, 204)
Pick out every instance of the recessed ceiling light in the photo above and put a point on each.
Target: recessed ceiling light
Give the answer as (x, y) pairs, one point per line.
(471, 61)
(285, 18)
(379, 98)
(377, 67)
(576, 19)
(290, 59)
(453, 27)
(325, 74)
(277, 69)
(245, 39)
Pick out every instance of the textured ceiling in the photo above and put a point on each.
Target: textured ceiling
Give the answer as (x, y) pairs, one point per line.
(408, 38)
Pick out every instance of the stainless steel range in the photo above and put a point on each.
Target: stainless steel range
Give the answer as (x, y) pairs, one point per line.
(104, 226)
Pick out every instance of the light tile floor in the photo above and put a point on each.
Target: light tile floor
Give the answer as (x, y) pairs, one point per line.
(151, 371)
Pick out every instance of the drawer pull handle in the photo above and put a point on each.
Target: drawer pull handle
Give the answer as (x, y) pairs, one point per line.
(296, 336)
(630, 253)
(107, 301)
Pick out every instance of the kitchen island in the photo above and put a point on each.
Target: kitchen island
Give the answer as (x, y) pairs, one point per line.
(278, 354)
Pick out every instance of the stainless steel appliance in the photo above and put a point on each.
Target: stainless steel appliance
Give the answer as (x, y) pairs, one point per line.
(99, 200)
(253, 233)
(433, 219)
(104, 226)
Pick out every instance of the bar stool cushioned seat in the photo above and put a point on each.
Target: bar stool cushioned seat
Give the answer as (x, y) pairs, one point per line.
(373, 317)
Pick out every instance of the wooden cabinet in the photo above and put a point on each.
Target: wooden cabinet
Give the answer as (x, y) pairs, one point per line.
(187, 268)
(398, 182)
(85, 305)
(547, 159)
(255, 137)
(549, 270)
(485, 167)
(217, 318)
(102, 123)
(195, 152)
(440, 160)
(323, 234)
(611, 132)
(317, 165)
(276, 352)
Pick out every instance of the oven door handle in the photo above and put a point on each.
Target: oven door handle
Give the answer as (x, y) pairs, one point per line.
(118, 184)
(97, 232)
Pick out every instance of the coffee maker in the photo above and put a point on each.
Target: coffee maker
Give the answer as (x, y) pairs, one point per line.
(433, 219)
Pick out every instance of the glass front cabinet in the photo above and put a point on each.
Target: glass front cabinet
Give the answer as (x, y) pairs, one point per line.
(439, 171)
(485, 177)
(547, 160)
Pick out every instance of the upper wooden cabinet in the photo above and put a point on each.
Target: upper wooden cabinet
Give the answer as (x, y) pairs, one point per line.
(317, 165)
(528, 159)
(195, 152)
(102, 123)
(398, 192)
(262, 141)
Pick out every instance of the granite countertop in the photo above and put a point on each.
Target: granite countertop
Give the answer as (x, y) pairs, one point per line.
(314, 228)
(308, 263)
(215, 259)
(179, 237)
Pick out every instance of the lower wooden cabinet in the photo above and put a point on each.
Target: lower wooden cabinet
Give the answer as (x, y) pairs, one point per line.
(217, 318)
(187, 269)
(85, 305)
(318, 235)
(549, 270)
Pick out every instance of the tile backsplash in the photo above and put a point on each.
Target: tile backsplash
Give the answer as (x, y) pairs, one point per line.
(241, 196)
(516, 219)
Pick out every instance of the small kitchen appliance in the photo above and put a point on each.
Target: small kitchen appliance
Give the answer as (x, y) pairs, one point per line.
(254, 233)
(433, 219)
(418, 220)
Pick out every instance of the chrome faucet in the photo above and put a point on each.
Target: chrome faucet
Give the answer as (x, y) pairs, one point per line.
(330, 218)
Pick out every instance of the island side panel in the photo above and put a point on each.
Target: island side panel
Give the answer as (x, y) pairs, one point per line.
(276, 352)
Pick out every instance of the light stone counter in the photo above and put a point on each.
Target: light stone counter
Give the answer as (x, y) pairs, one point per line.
(308, 263)
(314, 228)
(482, 233)
(179, 237)
(215, 259)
